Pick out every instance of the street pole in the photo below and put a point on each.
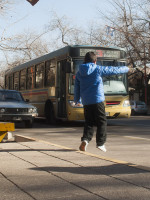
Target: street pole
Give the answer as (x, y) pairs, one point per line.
(145, 86)
(145, 78)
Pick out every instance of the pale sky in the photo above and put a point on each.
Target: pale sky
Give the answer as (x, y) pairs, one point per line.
(23, 16)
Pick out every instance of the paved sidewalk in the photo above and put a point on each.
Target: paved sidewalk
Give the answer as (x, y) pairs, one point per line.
(44, 171)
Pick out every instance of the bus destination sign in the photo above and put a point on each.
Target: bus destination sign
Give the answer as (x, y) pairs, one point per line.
(102, 53)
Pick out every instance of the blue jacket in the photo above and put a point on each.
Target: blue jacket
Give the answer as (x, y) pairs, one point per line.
(89, 83)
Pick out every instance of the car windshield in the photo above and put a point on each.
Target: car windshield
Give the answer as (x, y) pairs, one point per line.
(113, 85)
(10, 96)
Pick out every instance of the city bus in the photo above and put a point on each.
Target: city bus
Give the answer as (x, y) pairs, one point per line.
(47, 82)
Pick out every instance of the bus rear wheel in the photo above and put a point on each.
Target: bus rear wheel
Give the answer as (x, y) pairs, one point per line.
(49, 113)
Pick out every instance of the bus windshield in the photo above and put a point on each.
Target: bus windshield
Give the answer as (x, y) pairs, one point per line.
(113, 85)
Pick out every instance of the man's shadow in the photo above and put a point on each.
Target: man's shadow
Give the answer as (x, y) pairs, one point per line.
(94, 170)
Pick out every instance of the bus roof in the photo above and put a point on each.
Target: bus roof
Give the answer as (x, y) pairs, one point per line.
(54, 54)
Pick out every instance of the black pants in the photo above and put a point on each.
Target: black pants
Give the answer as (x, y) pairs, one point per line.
(95, 116)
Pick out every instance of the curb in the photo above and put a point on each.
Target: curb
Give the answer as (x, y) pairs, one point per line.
(20, 138)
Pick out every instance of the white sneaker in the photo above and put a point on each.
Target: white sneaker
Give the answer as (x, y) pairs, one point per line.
(83, 145)
(102, 148)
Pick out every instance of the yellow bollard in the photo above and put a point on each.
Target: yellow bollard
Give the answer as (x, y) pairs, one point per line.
(4, 128)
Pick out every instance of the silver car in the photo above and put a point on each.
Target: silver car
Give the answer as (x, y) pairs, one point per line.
(138, 107)
(13, 108)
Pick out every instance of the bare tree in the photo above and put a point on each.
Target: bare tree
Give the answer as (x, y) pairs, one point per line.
(5, 5)
(19, 48)
(25, 47)
(65, 31)
(131, 24)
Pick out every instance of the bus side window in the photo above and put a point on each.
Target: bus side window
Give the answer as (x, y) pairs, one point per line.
(7, 82)
(11, 80)
(23, 79)
(16, 81)
(39, 73)
(30, 78)
(50, 73)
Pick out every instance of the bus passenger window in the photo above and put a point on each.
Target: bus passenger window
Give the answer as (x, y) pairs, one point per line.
(71, 83)
(50, 74)
(11, 79)
(7, 82)
(39, 75)
(30, 78)
(23, 79)
(16, 81)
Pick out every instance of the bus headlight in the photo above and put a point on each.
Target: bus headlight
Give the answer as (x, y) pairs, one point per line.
(126, 103)
(72, 104)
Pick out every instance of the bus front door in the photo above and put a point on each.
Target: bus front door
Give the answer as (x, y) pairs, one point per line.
(61, 89)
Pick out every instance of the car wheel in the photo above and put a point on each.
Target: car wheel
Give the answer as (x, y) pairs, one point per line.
(29, 123)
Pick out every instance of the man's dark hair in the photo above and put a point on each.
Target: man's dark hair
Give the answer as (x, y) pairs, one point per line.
(90, 57)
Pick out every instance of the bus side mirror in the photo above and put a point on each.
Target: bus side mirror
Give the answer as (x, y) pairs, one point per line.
(69, 67)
